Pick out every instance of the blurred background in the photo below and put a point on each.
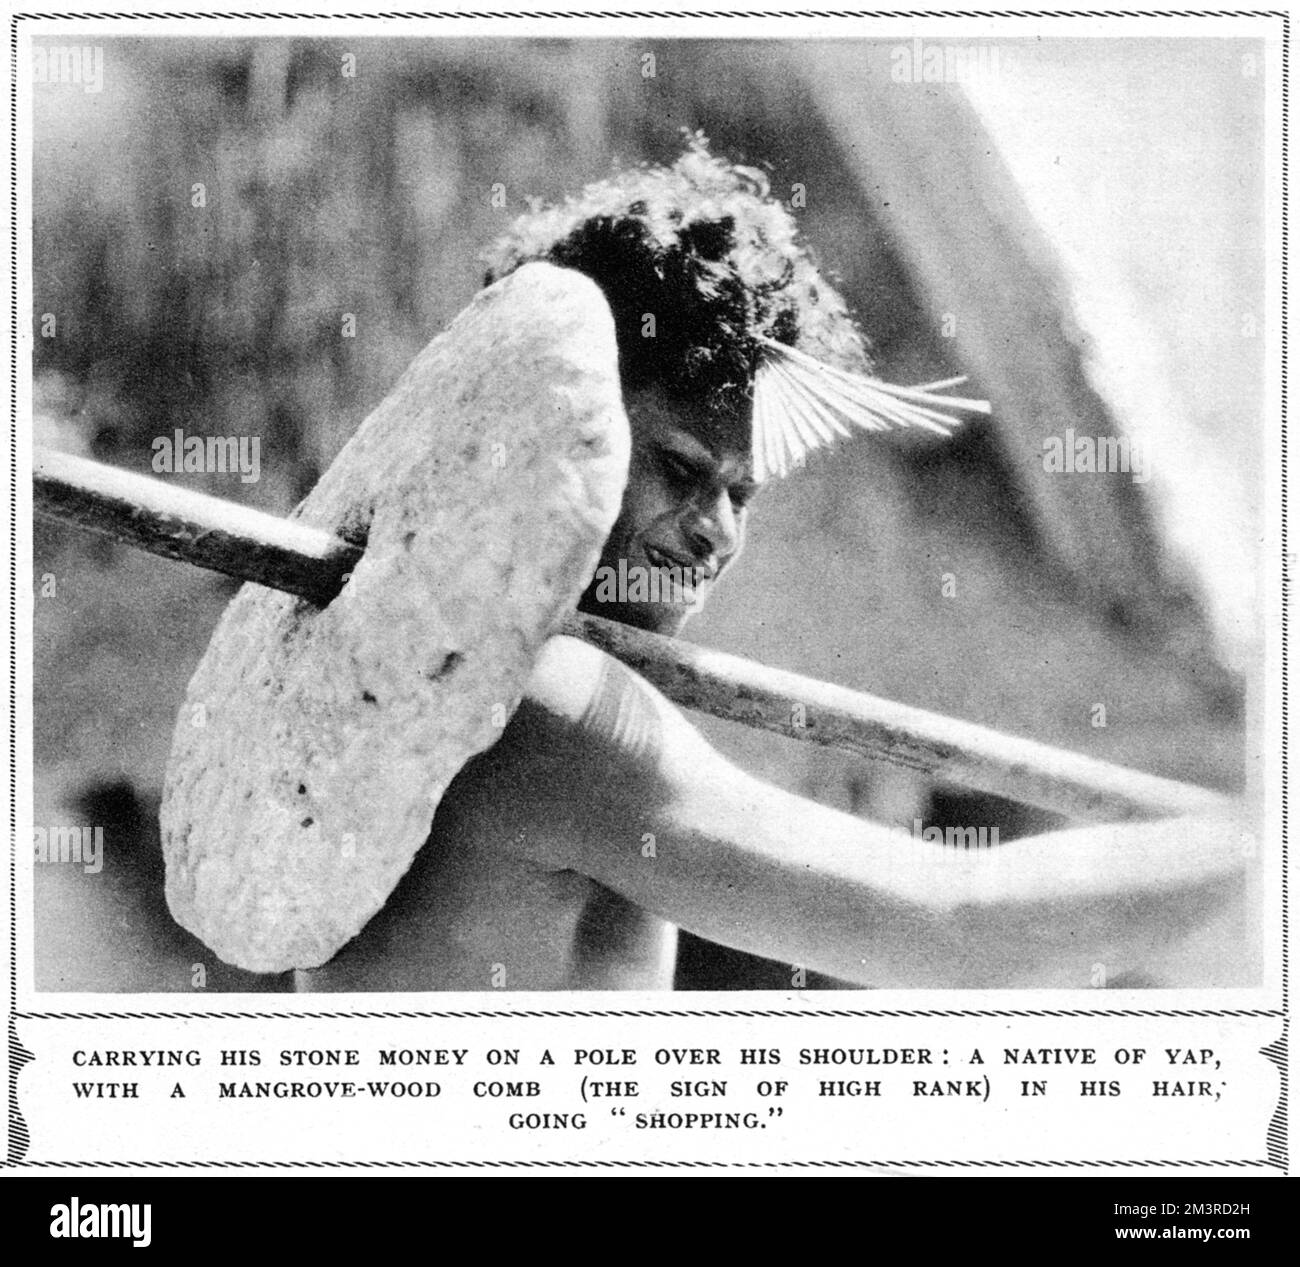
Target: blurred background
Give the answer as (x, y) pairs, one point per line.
(1076, 225)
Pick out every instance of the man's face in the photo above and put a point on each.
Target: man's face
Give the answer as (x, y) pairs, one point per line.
(682, 522)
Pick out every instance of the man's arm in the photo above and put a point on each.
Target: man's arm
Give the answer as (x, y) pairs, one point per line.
(751, 866)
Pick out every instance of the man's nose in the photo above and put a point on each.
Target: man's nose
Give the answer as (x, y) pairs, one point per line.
(711, 526)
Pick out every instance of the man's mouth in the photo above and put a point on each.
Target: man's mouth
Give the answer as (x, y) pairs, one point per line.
(695, 574)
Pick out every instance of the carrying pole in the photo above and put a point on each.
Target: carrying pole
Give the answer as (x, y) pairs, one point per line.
(312, 564)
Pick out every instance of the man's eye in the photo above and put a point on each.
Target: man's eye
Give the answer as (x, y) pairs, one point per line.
(740, 496)
(677, 469)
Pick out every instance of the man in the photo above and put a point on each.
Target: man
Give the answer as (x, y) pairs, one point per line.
(566, 856)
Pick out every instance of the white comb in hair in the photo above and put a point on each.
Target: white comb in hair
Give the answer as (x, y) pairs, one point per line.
(801, 404)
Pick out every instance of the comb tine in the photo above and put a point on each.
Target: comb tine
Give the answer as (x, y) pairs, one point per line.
(911, 394)
(921, 395)
(778, 437)
(908, 414)
(869, 408)
(798, 439)
(930, 398)
(759, 439)
(807, 412)
(859, 409)
(801, 404)
(774, 437)
(767, 456)
(941, 384)
(809, 391)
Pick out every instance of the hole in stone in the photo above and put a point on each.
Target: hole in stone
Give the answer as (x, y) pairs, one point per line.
(450, 662)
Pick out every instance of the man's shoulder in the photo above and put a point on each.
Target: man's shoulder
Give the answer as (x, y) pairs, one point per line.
(586, 707)
(584, 748)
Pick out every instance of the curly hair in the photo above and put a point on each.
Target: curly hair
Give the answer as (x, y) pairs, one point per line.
(705, 249)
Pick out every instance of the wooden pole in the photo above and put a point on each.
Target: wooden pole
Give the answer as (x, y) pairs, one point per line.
(311, 563)
(178, 523)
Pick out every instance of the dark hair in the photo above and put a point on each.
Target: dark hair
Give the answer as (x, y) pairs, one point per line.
(703, 248)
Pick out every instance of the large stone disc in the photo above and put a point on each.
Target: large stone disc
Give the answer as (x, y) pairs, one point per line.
(314, 745)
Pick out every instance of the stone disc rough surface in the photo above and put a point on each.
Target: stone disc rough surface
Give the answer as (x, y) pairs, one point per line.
(314, 744)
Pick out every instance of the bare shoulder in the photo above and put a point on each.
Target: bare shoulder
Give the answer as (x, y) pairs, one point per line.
(601, 713)
(582, 755)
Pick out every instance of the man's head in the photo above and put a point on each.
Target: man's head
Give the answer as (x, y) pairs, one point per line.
(698, 264)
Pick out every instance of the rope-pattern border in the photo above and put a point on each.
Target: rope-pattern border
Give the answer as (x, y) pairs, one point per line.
(642, 1163)
(648, 1014)
(19, 1056)
(1278, 1127)
(19, 1139)
(1276, 1051)
(668, 14)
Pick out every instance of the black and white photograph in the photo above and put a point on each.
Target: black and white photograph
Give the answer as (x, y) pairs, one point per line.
(737, 514)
